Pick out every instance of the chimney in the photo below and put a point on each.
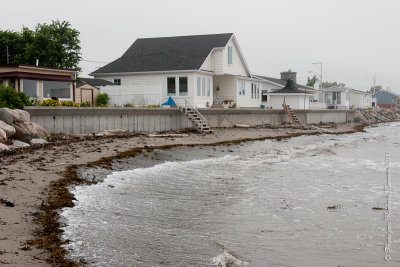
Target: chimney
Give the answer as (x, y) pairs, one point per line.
(286, 75)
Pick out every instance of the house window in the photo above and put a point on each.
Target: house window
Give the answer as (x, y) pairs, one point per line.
(57, 89)
(183, 86)
(204, 86)
(229, 54)
(242, 87)
(264, 96)
(117, 81)
(171, 86)
(255, 91)
(30, 87)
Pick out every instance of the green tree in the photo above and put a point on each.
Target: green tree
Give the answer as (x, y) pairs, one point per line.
(311, 81)
(55, 45)
(376, 89)
(331, 84)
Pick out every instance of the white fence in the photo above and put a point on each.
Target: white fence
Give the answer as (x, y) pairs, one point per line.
(138, 94)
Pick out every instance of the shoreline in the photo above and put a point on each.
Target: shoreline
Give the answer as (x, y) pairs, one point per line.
(31, 231)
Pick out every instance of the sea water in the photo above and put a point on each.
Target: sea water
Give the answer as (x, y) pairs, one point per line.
(304, 201)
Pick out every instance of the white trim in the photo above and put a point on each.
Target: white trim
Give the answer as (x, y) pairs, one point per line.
(37, 86)
(298, 94)
(151, 72)
(246, 67)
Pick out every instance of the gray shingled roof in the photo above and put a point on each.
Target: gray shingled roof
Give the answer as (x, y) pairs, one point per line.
(289, 88)
(283, 82)
(166, 54)
(93, 82)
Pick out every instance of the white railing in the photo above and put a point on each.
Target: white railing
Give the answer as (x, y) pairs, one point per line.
(192, 107)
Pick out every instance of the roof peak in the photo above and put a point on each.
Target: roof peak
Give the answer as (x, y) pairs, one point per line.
(180, 36)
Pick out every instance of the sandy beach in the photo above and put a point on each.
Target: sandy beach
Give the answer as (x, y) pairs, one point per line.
(27, 176)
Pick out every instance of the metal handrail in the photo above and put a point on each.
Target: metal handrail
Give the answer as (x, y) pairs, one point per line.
(187, 102)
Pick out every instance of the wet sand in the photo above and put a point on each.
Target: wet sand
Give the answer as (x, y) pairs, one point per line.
(26, 177)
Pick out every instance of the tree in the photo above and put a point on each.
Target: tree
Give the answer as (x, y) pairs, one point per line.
(331, 84)
(54, 45)
(311, 81)
(375, 89)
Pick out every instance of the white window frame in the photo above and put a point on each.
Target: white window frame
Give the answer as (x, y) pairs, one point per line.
(117, 79)
(230, 55)
(203, 86)
(61, 99)
(37, 86)
(177, 89)
(255, 91)
(241, 88)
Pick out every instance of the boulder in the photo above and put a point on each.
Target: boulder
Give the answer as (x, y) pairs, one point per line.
(3, 147)
(31, 127)
(21, 115)
(38, 141)
(10, 116)
(6, 115)
(10, 131)
(42, 133)
(3, 136)
(18, 143)
(21, 133)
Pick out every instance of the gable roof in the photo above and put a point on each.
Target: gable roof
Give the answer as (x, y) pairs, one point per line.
(166, 54)
(281, 82)
(289, 88)
(93, 82)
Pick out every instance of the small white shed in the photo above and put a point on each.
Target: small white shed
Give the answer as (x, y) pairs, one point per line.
(294, 97)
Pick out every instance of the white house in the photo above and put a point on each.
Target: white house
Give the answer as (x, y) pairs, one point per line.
(341, 97)
(291, 95)
(202, 69)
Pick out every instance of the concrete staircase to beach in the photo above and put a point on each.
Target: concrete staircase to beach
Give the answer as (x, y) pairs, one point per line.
(198, 121)
(292, 115)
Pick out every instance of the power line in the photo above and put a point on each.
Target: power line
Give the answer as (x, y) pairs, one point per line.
(94, 61)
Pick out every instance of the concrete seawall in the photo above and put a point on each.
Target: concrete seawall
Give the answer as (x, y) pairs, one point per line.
(72, 120)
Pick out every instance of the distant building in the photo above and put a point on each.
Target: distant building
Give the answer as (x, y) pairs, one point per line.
(87, 89)
(341, 97)
(39, 82)
(386, 98)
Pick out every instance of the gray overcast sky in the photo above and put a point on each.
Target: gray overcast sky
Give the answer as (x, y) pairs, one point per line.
(353, 38)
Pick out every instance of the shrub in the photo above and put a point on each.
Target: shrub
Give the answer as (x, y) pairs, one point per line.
(50, 103)
(10, 98)
(86, 104)
(67, 103)
(102, 100)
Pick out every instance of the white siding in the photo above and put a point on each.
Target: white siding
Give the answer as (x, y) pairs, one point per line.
(237, 66)
(209, 63)
(245, 100)
(227, 88)
(294, 101)
(152, 80)
(219, 62)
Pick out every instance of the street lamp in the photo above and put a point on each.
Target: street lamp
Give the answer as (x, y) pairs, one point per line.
(320, 64)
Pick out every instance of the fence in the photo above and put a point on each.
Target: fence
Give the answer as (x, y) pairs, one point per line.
(137, 94)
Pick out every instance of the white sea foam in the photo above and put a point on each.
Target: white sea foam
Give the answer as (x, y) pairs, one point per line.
(225, 259)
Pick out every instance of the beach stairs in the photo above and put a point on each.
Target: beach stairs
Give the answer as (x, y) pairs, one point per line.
(198, 121)
(290, 112)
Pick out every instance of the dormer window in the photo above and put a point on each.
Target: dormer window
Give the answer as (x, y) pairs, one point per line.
(230, 54)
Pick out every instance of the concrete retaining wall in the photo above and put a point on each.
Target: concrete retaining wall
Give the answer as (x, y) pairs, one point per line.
(71, 120)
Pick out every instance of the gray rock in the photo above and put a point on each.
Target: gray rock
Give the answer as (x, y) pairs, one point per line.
(3, 136)
(38, 141)
(21, 133)
(21, 115)
(3, 147)
(18, 143)
(6, 115)
(10, 131)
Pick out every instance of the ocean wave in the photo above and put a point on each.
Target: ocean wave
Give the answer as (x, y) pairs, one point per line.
(226, 259)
